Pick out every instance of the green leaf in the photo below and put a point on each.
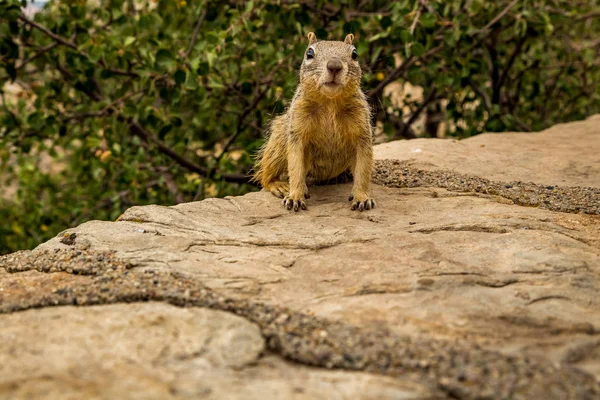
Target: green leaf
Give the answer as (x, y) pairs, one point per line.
(215, 83)
(203, 69)
(164, 130)
(211, 56)
(176, 122)
(417, 49)
(164, 58)
(129, 40)
(380, 35)
(191, 82)
(405, 36)
(180, 76)
(428, 20)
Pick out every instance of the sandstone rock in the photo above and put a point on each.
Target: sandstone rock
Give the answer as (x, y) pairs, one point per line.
(433, 294)
(565, 154)
(158, 351)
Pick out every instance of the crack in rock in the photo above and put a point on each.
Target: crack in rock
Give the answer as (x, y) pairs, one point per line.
(549, 325)
(576, 199)
(553, 297)
(285, 245)
(499, 283)
(460, 369)
(462, 228)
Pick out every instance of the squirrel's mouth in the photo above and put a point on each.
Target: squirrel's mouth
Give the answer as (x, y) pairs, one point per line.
(332, 85)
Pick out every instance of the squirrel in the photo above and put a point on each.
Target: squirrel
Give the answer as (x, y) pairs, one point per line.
(325, 131)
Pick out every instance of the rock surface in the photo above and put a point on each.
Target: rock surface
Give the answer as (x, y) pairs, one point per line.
(565, 154)
(445, 290)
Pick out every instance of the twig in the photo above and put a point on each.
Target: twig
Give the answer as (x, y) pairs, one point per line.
(240, 126)
(395, 74)
(550, 93)
(172, 186)
(57, 38)
(195, 33)
(499, 16)
(69, 43)
(418, 111)
(8, 111)
(105, 111)
(40, 52)
(486, 99)
(392, 76)
(591, 14)
(519, 79)
(134, 127)
(522, 125)
(415, 21)
(200, 192)
(82, 116)
(353, 13)
(400, 125)
(69, 77)
(148, 137)
(429, 8)
(510, 63)
(105, 202)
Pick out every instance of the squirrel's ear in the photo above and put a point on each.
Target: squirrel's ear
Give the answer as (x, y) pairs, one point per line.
(349, 38)
(312, 38)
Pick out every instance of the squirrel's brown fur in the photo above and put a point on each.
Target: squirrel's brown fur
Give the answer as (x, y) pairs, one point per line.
(325, 131)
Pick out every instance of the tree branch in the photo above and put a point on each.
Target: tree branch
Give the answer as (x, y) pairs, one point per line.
(106, 202)
(69, 43)
(487, 104)
(522, 125)
(418, 111)
(105, 111)
(415, 22)
(495, 70)
(240, 124)
(499, 16)
(257, 98)
(195, 33)
(400, 125)
(55, 37)
(591, 14)
(39, 53)
(549, 93)
(519, 79)
(509, 64)
(395, 74)
(148, 137)
(69, 77)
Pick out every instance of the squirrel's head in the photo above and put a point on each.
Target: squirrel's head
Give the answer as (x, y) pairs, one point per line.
(330, 68)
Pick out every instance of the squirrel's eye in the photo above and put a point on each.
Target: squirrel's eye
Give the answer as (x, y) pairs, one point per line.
(354, 54)
(310, 54)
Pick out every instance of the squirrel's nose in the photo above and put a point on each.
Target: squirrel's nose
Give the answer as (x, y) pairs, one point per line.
(334, 65)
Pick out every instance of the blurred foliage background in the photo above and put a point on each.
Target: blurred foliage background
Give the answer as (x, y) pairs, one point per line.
(109, 104)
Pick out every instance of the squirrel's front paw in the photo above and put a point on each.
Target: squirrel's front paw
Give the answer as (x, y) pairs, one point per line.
(361, 203)
(290, 202)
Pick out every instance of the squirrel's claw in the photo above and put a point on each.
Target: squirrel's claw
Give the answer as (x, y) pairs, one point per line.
(295, 204)
(278, 188)
(362, 205)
